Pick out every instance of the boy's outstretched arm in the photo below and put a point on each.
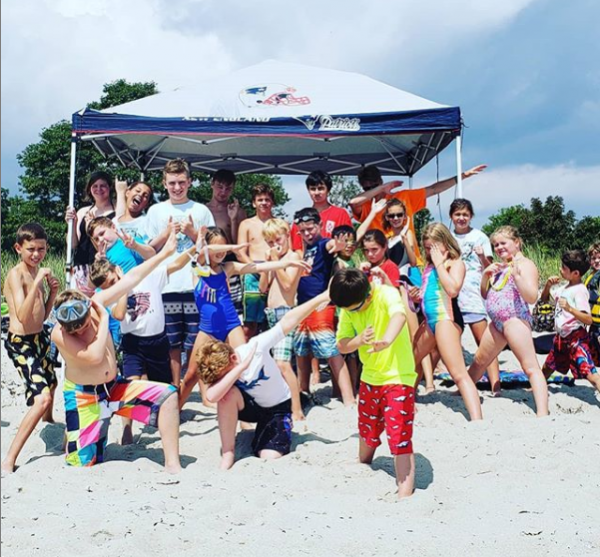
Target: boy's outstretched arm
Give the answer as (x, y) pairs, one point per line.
(136, 275)
(397, 321)
(293, 317)
(220, 388)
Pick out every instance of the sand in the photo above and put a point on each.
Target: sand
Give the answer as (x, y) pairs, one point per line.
(512, 484)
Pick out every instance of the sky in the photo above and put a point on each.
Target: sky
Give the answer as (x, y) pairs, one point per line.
(526, 74)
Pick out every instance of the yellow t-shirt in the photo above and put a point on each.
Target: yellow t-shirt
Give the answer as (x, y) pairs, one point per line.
(395, 364)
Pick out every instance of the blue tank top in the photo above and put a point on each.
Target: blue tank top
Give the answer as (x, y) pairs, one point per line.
(215, 306)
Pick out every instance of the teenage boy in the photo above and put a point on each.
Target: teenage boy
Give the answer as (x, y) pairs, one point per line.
(184, 217)
(247, 385)
(282, 286)
(263, 201)
(319, 186)
(571, 348)
(228, 215)
(92, 390)
(414, 200)
(27, 344)
(315, 336)
(372, 321)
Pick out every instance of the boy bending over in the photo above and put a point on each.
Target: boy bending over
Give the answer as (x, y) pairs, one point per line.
(92, 390)
(248, 385)
(372, 320)
(27, 344)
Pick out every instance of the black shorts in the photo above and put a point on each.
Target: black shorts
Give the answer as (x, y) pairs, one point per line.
(147, 356)
(273, 425)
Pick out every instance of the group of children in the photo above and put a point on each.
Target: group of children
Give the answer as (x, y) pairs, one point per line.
(163, 284)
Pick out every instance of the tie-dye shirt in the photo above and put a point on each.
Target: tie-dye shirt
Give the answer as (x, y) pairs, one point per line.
(469, 299)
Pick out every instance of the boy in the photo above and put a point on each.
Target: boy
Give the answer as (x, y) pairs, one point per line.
(185, 217)
(319, 184)
(281, 286)
(92, 390)
(372, 320)
(27, 344)
(117, 246)
(263, 201)
(247, 385)
(593, 285)
(144, 343)
(571, 348)
(315, 335)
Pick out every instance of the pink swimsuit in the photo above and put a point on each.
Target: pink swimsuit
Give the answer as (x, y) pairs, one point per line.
(507, 303)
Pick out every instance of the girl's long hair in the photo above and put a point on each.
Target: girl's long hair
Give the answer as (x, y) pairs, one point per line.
(438, 232)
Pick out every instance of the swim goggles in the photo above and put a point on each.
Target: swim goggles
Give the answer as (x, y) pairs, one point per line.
(305, 218)
(71, 311)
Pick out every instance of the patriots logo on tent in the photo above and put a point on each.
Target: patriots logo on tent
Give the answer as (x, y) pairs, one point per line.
(330, 123)
(272, 94)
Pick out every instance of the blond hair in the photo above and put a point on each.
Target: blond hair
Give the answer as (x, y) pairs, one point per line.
(176, 166)
(510, 232)
(275, 227)
(212, 358)
(438, 232)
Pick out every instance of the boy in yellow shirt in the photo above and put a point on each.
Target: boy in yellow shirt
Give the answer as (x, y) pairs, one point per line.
(372, 320)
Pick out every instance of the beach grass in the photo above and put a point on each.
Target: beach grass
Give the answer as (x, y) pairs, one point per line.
(56, 262)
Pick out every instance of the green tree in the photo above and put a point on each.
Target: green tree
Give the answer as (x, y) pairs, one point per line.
(421, 219)
(546, 224)
(343, 190)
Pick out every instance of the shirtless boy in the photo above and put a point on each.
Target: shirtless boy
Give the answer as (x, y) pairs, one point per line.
(27, 344)
(281, 286)
(92, 390)
(263, 200)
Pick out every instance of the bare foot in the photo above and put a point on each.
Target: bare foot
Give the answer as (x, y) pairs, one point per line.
(207, 404)
(173, 468)
(245, 426)
(227, 461)
(48, 419)
(127, 438)
(429, 390)
(298, 416)
(497, 391)
(315, 378)
(8, 467)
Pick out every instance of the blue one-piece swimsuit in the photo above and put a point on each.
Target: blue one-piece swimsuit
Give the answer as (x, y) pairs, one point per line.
(215, 306)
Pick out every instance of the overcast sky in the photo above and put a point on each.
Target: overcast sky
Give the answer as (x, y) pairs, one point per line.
(526, 73)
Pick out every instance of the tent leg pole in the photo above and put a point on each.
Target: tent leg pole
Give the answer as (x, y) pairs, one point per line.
(71, 204)
(410, 182)
(459, 188)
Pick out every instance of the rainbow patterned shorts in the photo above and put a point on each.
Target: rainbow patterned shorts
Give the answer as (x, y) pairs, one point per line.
(89, 409)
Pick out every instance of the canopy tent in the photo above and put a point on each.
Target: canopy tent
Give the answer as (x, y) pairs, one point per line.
(275, 118)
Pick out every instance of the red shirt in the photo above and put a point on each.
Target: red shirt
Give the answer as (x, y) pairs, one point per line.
(391, 270)
(331, 217)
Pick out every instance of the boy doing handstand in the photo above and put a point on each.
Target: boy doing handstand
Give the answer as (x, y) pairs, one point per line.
(248, 385)
(372, 320)
(92, 390)
(27, 344)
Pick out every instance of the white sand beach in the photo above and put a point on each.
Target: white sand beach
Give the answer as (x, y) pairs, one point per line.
(512, 484)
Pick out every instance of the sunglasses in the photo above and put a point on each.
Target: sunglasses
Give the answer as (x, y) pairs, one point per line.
(71, 311)
(305, 218)
(393, 216)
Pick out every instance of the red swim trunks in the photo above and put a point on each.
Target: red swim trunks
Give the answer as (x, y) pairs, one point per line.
(387, 406)
(574, 353)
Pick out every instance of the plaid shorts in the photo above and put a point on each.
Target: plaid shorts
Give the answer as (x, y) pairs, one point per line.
(282, 351)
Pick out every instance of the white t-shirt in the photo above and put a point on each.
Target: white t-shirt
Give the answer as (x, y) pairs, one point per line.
(469, 299)
(145, 315)
(263, 380)
(157, 221)
(577, 297)
(135, 228)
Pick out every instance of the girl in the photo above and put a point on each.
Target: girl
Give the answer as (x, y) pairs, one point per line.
(132, 202)
(99, 190)
(375, 249)
(442, 280)
(476, 253)
(400, 238)
(218, 317)
(508, 287)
